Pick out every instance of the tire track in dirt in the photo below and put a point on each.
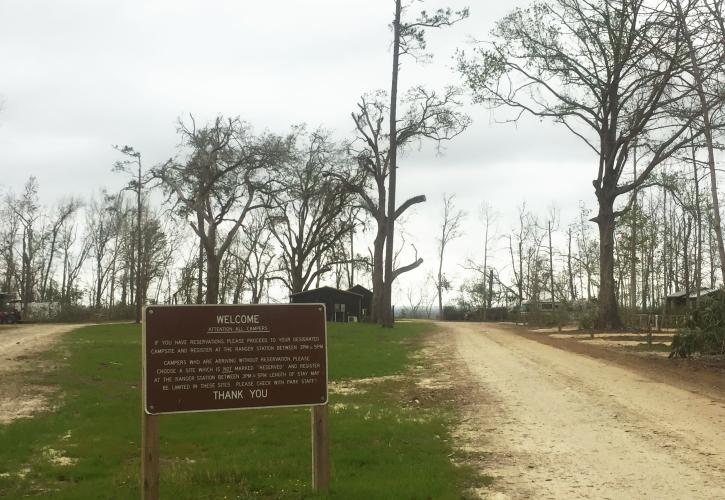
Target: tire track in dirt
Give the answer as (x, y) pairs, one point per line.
(554, 424)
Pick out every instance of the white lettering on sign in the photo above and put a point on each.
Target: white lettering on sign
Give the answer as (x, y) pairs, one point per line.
(228, 395)
(231, 319)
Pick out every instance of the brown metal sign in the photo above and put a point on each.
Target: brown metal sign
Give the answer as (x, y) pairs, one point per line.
(209, 357)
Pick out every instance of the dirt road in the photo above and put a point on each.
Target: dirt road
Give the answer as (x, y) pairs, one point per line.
(19, 347)
(554, 424)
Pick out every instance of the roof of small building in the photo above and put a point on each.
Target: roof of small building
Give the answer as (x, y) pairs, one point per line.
(312, 290)
(359, 289)
(693, 295)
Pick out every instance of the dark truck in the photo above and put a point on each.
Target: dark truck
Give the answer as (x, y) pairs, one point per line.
(8, 311)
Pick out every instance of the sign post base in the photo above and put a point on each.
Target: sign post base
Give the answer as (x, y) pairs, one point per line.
(320, 450)
(150, 456)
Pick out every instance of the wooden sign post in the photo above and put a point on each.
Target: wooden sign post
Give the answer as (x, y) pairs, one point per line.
(320, 450)
(150, 458)
(227, 357)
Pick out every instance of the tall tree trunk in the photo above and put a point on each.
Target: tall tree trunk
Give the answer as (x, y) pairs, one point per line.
(351, 280)
(521, 273)
(487, 301)
(633, 247)
(551, 266)
(139, 246)
(489, 295)
(99, 283)
(213, 263)
(608, 317)
(200, 275)
(387, 314)
(665, 243)
(44, 287)
(686, 257)
(698, 230)
(711, 249)
(212, 280)
(572, 290)
(441, 315)
(65, 274)
(24, 273)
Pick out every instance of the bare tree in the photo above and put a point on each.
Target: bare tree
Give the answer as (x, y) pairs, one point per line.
(224, 177)
(517, 243)
(308, 217)
(27, 209)
(155, 245)
(549, 61)
(429, 115)
(260, 255)
(102, 218)
(64, 212)
(8, 240)
(409, 39)
(450, 230)
(488, 217)
(132, 166)
(72, 262)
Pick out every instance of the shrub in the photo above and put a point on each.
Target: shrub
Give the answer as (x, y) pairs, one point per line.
(72, 313)
(453, 313)
(587, 312)
(705, 332)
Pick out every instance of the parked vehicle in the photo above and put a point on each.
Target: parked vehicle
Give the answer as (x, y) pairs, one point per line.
(8, 312)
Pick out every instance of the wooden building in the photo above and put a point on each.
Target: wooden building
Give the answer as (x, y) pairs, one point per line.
(678, 302)
(367, 301)
(341, 305)
(545, 305)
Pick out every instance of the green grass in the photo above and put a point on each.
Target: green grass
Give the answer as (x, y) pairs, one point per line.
(645, 347)
(382, 447)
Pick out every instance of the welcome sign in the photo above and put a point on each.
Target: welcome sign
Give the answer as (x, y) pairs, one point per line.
(223, 357)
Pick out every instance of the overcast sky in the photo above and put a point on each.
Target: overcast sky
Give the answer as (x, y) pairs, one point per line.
(78, 76)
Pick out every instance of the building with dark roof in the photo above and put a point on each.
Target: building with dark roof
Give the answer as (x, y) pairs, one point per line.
(340, 305)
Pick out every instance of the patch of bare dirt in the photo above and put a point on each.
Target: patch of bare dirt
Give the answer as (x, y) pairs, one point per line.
(58, 457)
(555, 421)
(20, 347)
(359, 385)
(704, 375)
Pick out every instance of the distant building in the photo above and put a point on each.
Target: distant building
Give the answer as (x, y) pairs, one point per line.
(341, 305)
(540, 305)
(679, 301)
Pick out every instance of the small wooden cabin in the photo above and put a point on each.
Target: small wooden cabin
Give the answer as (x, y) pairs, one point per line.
(678, 302)
(545, 305)
(367, 300)
(341, 305)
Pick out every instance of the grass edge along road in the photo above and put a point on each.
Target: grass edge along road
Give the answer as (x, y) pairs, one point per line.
(383, 444)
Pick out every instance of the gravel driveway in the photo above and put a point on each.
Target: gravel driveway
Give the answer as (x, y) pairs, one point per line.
(556, 424)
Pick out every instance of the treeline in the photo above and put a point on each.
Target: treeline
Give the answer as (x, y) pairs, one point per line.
(238, 210)
(231, 213)
(665, 243)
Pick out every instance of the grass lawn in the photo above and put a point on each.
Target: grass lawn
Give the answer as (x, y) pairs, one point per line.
(89, 446)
